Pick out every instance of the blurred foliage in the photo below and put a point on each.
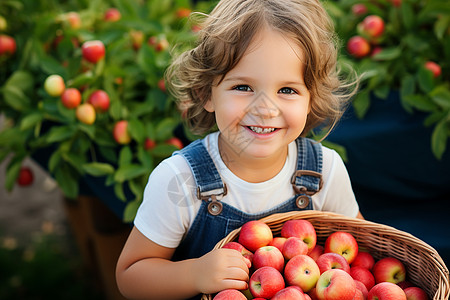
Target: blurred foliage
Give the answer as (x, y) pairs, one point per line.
(49, 36)
(415, 32)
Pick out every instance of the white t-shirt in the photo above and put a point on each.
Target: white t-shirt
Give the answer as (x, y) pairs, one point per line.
(170, 203)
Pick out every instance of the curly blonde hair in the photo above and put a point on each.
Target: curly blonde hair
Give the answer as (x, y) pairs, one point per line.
(226, 34)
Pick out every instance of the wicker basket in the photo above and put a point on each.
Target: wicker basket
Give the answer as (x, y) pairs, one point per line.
(424, 266)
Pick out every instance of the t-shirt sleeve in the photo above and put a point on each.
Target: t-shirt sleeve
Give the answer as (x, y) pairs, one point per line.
(167, 206)
(338, 194)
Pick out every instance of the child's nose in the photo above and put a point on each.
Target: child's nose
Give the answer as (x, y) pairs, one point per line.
(264, 107)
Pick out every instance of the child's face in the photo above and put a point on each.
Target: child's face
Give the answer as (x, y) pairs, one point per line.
(261, 105)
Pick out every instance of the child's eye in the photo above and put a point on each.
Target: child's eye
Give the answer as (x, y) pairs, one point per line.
(287, 90)
(242, 88)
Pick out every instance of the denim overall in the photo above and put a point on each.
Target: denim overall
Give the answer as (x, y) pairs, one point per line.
(215, 219)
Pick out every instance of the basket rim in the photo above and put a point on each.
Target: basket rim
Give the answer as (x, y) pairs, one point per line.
(382, 229)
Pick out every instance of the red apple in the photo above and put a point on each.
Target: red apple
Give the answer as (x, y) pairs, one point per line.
(176, 142)
(229, 294)
(396, 3)
(362, 288)
(363, 259)
(162, 85)
(342, 243)
(363, 275)
(358, 46)
(434, 68)
(289, 293)
(93, 51)
(183, 12)
(268, 256)
(71, 98)
(302, 229)
(54, 85)
(372, 26)
(265, 282)
(335, 284)
(316, 252)
(7, 45)
(149, 144)
(74, 20)
(99, 100)
(386, 291)
(241, 249)
(112, 15)
(389, 269)
(307, 297)
(120, 132)
(278, 242)
(358, 295)
(302, 271)
(332, 260)
(415, 293)
(163, 44)
(294, 246)
(359, 9)
(85, 113)
(255, 234)
(25, 177)
(313, 294)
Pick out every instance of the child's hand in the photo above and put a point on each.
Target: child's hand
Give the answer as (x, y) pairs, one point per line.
(220, 269)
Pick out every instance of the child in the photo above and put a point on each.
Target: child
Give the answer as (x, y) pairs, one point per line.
(263, 72)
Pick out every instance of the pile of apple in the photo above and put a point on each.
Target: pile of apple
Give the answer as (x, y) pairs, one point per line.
(293, 265)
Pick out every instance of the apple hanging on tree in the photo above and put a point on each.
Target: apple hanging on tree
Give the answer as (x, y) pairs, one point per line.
(99, 100)
(71, 98)
(93, 51)
(54, 85)
(25, 177)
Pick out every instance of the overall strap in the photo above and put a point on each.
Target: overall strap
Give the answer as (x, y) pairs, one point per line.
(207, 178)
(307, 179)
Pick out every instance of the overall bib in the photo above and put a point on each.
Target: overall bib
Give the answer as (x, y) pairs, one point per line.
(215, 219)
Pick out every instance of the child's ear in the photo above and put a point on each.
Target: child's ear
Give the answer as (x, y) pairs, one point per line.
(209, 106)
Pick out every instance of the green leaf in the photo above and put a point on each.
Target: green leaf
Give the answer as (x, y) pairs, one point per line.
(407, 15)
(12, 171)
(130, 211)
(425, 80)
(441, 96)
(388, 54)
(98, 169)
(145, 158)
(118, 190)
(136, 189)
(164, 129)
(67, 181)
(163, 150)
(407, 88)
(15, 98)
(31, 120)
(54, 161)
(125, 156)
(439, 139)
(420, 102)
(136, 130)
(60, 133)
(21, 80)
(361, 103)
(441, 26)
(51, 66)
(128, 172)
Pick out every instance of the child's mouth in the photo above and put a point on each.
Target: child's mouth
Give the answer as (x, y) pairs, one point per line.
(261, 130)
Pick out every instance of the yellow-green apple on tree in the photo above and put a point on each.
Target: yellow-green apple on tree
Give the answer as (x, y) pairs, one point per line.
(343, 243)
(358, 46)
(389, 269)
(294, 246)
(74, 19)
(335, 284)
(112, 15)
(434, 68)
(363, 275)
(386, 291)
(268, 256)
(93, 51)
(120, 132)
(332, 260)
(54, 85)
(229, 294)
(7, 45)
(241, 249)
(317, 251)
(85, 113)
(25, 177)
(289, 293)
(3, 23)
(302, 229)
(99, 100)
(415, 293)
(278, 242)
(302, 271)
(255, 234)
(265, 282)
(361, 287)
(363, 259)
(71, 98)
